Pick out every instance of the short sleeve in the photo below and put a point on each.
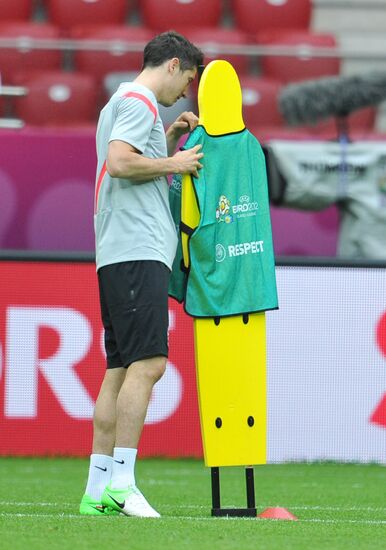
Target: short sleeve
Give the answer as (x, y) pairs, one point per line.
(135, 120)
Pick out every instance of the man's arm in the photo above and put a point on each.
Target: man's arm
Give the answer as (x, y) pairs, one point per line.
(124, 161)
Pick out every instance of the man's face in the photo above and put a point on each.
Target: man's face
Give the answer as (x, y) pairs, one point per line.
(178, 84)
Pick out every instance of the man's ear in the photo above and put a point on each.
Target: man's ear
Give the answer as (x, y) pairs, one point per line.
(174, 64)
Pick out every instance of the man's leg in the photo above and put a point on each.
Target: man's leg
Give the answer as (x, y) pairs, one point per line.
(132, 404)
(105, 413)
(134, 397)
(101, 461)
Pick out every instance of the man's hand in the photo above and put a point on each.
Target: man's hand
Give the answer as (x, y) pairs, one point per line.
(186, 122)
(188, 161)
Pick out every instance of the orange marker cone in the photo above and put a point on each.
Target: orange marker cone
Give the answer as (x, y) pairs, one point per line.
(277, 513)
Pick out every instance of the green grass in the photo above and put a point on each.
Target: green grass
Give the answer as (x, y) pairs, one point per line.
(339, 506)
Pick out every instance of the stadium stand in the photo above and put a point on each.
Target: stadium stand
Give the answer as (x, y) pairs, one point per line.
(304, 66)
(209, 23)
(100, 63)
(260, 107)
(68, 13)
(253, 16)
(16, 10)
(212, 38)
(23, 57)
(179, 14)
(58, 98)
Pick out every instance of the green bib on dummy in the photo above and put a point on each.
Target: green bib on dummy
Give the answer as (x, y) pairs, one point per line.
(231, 251)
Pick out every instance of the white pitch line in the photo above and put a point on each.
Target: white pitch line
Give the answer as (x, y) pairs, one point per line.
(59, 516)
(203, 507)
(192, 518)
(364, 521)
(339, 508)
(5, 503)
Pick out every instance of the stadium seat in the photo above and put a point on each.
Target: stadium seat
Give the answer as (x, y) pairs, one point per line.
(100, 63)
(362, 120)
(215, 37)
(260, 106)
(58, 98)
(303, 66)
(69, 13)
(253, 16)
(180, 14)
(24, 57)
(15, 10)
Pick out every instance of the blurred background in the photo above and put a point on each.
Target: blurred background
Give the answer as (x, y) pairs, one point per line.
(60, 60)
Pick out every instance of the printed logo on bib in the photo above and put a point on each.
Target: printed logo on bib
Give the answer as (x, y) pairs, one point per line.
(176, 183)
(223, 210)
(244, 208)
(239, 249)
(220, 253)
(254, 247)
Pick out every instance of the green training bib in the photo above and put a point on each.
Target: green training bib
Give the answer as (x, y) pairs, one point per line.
(232, 264)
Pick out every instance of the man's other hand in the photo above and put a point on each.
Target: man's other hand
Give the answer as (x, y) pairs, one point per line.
(185, 123)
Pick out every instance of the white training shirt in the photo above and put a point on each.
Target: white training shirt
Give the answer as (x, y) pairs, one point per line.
(132, 220)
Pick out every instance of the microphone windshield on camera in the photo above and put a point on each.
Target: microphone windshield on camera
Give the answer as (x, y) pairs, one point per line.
(313, 100)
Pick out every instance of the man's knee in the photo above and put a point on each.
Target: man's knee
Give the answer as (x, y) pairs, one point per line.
(157, 367)
(153, 368)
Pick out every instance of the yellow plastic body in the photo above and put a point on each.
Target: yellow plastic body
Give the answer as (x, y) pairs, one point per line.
(230, 356)
(231, 379)
(220, 112)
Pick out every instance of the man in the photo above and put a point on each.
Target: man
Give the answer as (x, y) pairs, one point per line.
(135, 246)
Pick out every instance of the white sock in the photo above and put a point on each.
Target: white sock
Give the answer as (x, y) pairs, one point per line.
(123, 468)
(99, 475)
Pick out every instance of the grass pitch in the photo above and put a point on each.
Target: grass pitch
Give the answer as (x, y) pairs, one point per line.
(339, 506)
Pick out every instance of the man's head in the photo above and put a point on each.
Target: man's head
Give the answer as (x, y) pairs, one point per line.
(175, 60)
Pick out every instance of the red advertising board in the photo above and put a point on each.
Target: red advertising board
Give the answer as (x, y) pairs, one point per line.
(326, 351)
(52, 363)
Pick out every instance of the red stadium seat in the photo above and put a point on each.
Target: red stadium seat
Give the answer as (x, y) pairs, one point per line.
(253, 16)
(260, 106)
(360, 120)
(100, 63)
(163, 15)
(15, 10)
(216, 37)
(68, 13)
(303, 66)
(58, 98)
(363, 119)
(25, 57)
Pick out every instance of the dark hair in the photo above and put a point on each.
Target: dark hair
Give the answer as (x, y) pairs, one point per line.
(170, 44)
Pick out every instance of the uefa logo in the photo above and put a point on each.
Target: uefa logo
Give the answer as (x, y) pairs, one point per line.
(244, 198)
(220, 253)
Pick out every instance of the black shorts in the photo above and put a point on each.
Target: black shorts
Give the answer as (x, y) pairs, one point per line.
(134, 307)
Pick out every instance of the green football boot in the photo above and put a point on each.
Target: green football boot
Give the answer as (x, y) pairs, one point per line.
(90, 507)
